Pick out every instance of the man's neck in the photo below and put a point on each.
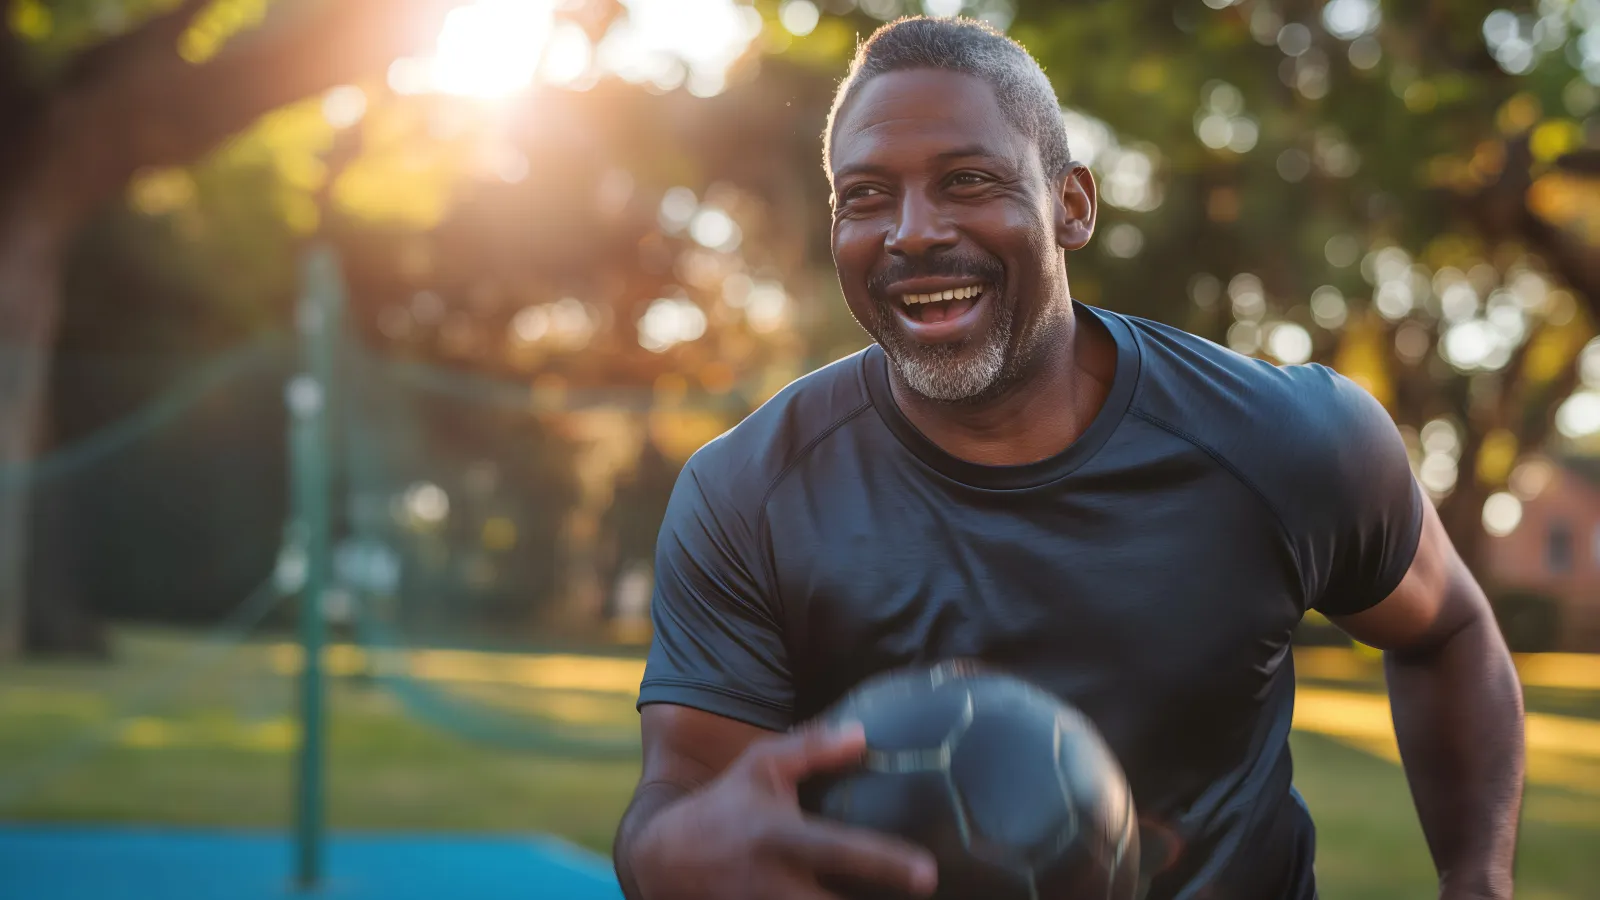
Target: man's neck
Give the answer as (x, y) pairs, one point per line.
(1040, 415)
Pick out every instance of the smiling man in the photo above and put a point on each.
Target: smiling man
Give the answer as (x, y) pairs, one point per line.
(1129, 516)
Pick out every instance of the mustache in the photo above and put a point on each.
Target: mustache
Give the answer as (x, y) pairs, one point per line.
(943, 265)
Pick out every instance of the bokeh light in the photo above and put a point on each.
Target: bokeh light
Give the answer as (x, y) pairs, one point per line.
(677, 208)
(1204, 290)
(672, 42)
(1244, 337)
(344, 105)
(1124, 240)
(1579, 415)
(799, 17)
(499, 48)
(427, 503)
(567, 55)
(1221, 123)
(766, 306)
(1126, 172)
(711, 227)
(1248, 296)
(670, 321)
(1328, 307)
(1289, 343)
(1502, 513)
(1351, 19)
(1365, 53)
(1530, 477)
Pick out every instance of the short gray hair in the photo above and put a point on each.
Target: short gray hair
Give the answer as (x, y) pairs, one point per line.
(970, 47)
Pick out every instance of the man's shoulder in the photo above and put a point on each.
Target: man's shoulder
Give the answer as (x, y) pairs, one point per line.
(745, 461)
(1198, 386)
(1275, 426)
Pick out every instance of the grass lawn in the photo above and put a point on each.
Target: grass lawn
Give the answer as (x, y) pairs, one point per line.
(151, 741)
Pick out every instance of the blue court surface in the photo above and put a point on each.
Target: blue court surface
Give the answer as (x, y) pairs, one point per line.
(46, 862)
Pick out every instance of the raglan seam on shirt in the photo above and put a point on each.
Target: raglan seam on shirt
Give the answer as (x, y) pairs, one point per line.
(817, 439)
(763, 529)
(805, 451)
(712, 688)
(750, 605)
(1219, 459)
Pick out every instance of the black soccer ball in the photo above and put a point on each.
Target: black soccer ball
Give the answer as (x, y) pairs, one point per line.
(1014, 792)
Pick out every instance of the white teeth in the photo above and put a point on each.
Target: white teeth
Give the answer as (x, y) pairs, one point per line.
(961, 293)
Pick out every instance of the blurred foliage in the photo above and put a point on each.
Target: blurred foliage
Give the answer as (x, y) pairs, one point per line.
(1404, 190)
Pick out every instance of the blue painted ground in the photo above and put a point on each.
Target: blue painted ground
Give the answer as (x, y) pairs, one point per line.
(46, 862)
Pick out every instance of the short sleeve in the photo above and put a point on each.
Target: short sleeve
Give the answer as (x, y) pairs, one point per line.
(1353, 508)
(718, 643)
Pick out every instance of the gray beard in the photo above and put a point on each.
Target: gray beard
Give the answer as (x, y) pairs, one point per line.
(949, 373)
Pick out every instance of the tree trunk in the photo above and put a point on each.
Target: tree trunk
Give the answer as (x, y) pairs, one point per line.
(30, 301)
(1462, 516)
(1461, 513)
(128, 103)
(57, 175)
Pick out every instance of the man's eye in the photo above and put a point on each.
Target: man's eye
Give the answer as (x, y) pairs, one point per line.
(861, 192)
(967, 178)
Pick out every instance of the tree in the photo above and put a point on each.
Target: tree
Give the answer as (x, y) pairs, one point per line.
(1392, 188)
(1403, 190)
(464, 224)
(84, 111)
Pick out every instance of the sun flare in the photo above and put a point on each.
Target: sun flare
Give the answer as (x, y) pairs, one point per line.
(491, 48)
(495, 49)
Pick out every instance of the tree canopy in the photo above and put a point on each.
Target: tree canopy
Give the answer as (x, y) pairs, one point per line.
(1405, 190)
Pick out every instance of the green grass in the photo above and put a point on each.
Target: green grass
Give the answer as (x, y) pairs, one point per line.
(223, 756)
(1370, 845)
(88, 744)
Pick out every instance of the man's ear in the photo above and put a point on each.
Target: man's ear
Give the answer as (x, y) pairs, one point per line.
(1076, 206)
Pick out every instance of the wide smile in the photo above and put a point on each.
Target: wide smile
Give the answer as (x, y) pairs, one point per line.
(941, 314)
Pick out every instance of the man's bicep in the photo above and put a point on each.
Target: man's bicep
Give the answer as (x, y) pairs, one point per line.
(1437, 597)
(688, 747)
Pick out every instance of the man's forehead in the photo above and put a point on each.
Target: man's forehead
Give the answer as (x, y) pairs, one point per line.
(907, 117)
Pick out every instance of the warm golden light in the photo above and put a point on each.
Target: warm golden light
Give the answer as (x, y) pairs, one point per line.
(490, 48)
(494, 49)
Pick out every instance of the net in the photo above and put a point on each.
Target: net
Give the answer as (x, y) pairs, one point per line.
(490, 543)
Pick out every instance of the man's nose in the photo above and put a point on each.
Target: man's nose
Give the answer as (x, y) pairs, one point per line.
(920, 228)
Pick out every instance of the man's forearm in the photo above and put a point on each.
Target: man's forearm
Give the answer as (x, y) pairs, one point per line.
(1459, 719)
(648, 801)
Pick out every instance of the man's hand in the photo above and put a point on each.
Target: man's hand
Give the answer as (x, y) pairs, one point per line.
(744, 835)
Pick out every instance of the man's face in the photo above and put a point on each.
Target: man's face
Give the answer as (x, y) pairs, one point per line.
(946, 233)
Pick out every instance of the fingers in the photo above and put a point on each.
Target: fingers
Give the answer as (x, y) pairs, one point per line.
(794, 756)
(826, 848)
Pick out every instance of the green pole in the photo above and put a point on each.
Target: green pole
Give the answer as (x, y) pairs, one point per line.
(309, 395)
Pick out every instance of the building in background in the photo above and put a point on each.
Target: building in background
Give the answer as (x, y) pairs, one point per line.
(1544, 572)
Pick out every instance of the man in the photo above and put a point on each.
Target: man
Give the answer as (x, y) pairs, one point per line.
(1131, 517)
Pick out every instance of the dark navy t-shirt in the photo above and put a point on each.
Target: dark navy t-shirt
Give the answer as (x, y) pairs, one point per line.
(1151, 574)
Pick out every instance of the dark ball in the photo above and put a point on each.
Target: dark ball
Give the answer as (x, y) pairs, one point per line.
(1013, 791)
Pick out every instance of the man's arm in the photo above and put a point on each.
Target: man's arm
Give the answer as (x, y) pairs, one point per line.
(683, 750)
(1458, 716)
(717, 815)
